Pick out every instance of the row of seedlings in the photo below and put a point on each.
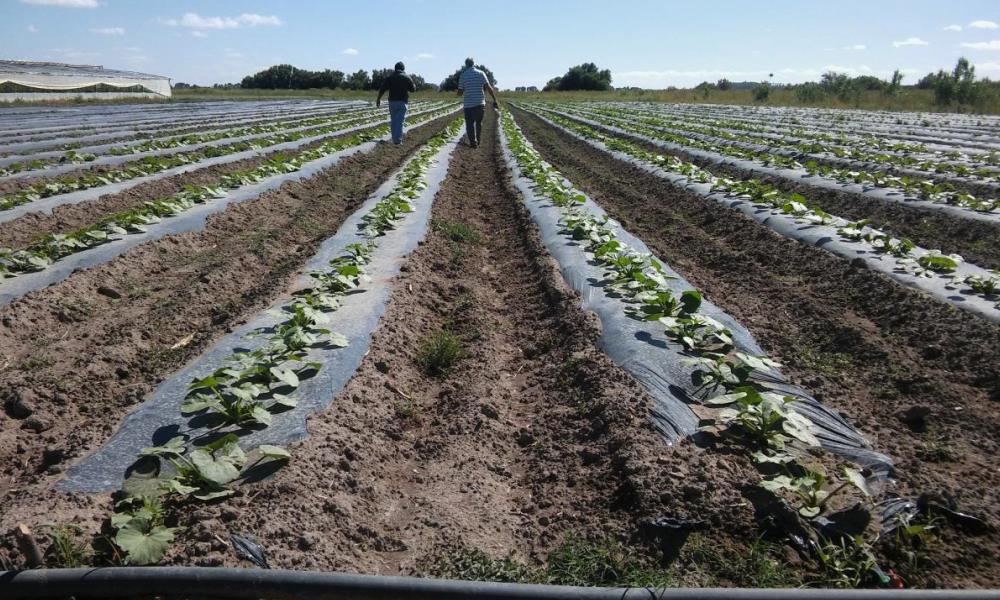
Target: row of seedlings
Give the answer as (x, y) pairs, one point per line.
(778, 439)
(55, 246)
(937, 150)
(908, 256)
(921, 188)
(956, 163)
(249, 388)
(156, 164)
(75, 157)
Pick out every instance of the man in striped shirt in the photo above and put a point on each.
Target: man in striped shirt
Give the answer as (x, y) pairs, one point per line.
(472, 86)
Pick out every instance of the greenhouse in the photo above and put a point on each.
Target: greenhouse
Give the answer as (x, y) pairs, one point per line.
(25, 80)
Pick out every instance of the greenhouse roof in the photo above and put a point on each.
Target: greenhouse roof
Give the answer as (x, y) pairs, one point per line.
(63, 70)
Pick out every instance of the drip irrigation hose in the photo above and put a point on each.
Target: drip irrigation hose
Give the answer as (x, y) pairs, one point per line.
(229, 583)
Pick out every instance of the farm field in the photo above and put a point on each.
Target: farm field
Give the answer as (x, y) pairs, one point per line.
(619, 343)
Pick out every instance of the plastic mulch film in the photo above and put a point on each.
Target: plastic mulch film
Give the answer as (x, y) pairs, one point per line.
(45, 205)
(159, 418)
(940, 287)
(799, 175)
(641, 348)
(190, 220)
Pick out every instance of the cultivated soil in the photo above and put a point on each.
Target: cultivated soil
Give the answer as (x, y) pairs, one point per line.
(30, 227)
(861, 343)
(974, 240)
(533, 438)
(76, 357)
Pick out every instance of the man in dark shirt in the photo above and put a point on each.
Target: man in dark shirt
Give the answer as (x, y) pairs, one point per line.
(399, 85)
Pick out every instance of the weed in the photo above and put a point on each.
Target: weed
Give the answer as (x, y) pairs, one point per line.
(822, 361)
(66, 550)
(845, 564)
(936, 447)
(756, 566)
(438, 353)
(406, 409)
(456, 231)
(34, 363)
(475, 565)
(604, 563)
(463, 302)
(577, 562)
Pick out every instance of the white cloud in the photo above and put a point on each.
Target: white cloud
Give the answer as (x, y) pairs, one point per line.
(199, 34)
(195, 21)
(855, 47)
(233, 54)
(108, 30)
(953, 28)
(991, 45)
(65, 3)
(990, 69)
(425, 56)
(350, 51)
(983, 25)
(910, 41)
(32, 29)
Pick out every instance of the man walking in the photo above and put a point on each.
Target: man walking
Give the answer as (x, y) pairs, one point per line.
(399, 85)
(471, 85)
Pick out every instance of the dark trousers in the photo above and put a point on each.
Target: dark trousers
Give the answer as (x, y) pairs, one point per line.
(474, 122)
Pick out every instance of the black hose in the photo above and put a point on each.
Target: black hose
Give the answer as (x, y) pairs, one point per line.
(302, 585)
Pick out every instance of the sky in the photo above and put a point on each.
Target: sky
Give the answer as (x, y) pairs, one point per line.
(645, 43)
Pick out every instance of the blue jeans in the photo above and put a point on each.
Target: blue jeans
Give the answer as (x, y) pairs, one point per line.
(397, 112)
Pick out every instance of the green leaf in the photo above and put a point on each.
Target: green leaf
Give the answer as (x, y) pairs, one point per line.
(800, 428)
(143, 545)
(212, 493)
(261, 415)
(283, 400)
(219, 472)
(276, 452)
(724, 399)
(174, 447)
(858, 480)
(286, 376)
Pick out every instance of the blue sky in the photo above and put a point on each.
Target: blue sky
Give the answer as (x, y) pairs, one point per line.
(647, 43)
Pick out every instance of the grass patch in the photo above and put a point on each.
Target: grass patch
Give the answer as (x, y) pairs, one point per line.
(66, 550)
(822, 361)
(438, 353)
(456, 231)
(577, 562)
(936, 447)
(757, 566)
(610, 563)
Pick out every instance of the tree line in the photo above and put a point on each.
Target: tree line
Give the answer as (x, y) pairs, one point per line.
(956, 88)
(288, 77)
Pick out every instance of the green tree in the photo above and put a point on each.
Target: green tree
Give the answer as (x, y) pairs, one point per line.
(450, 83)
(585, 76)
(359, 80)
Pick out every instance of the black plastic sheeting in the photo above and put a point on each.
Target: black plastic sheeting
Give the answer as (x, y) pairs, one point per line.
(104, 158)
(641, 348)
(159, 418)
(826, 237)
(45, 205)
(799, 175)
(199, 582)
(190, 220)
(828, 157)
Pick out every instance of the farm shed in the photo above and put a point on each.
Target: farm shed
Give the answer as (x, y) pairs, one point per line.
(28, 80)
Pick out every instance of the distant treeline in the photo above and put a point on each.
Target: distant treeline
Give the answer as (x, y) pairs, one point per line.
(956, 88)
(288, 77)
